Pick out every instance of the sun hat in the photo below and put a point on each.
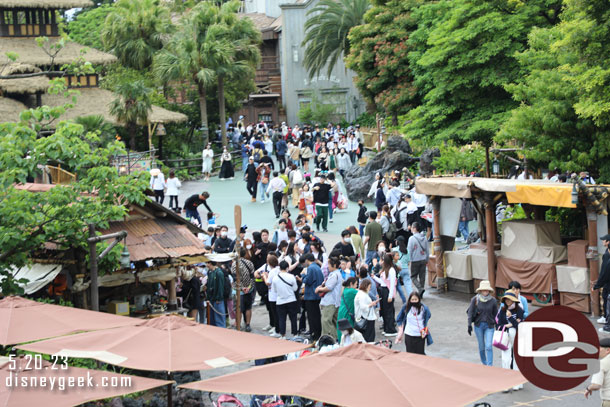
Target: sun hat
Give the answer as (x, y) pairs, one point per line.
(510, 295)
(155, 171)
(485, 286)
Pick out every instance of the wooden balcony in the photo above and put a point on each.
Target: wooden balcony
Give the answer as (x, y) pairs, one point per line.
(269, 66)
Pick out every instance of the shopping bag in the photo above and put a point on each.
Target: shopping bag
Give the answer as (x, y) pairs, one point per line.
(500, 340)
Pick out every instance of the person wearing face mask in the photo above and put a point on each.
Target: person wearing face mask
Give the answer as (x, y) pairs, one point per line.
(373, 234)
(413, 319)
(330, 291)
(226, 168)
(223, 244)
(387, 291)
(345, 245)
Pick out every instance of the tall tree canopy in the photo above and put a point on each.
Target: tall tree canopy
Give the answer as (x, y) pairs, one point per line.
(379, 55)
(562, 118)
(135, 30)
(464, 56)
(327, 29)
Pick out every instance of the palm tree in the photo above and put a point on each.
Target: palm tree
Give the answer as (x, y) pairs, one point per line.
(132, 106)
(134, 32)
(195, 51)
(97, 124)
(244, 39)
(326, 32)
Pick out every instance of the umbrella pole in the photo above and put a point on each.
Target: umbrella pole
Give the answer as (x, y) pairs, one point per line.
(169, 390)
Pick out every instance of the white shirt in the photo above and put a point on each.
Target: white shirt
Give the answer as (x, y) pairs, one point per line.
(208, 153)
(158, 182)
(419, 200)
(522, 176)
(361, 307)
(173, 184)
(270, 277)
(276, 185)
(284, 290)
(415, 322)
(281, 235)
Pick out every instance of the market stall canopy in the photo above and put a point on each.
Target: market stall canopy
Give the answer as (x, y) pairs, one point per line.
(535, 192)
(24, 320)
(96, 101)
(37, 276)
(330, 377)
(14, 373)
(169, 343)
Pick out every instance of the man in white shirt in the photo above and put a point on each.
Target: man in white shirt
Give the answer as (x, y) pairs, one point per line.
(284, 286)
(157, 184)
(407, 211)
(393, 195)
(276, 185)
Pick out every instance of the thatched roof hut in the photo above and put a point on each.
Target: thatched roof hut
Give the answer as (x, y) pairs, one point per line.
(59, 4)
(10, 109)
(95, 101)
(22, 85)
(30, 53)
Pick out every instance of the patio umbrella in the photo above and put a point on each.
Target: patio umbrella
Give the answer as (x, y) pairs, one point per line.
(25, 320)
(364, 375)
(170, 343)
(13, 393)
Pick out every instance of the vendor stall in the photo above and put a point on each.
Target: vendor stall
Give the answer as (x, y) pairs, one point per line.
(531, 251)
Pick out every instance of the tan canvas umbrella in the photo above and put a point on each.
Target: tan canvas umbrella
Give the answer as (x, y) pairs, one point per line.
(45, 384)
(364, 375)
(169, 343)
(25, 320)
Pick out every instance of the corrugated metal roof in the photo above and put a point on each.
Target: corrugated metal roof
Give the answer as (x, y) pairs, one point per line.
(149, 239)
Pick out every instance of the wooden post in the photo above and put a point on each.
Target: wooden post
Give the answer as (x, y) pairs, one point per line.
(490, 232)
(172, 304)
(95, 295)
(487, 172)
(438, 247)
(593, 258)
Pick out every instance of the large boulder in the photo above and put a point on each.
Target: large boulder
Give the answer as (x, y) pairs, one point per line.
(396, 156)
(425, 161)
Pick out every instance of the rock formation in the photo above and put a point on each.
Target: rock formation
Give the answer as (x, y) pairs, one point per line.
(395, 156)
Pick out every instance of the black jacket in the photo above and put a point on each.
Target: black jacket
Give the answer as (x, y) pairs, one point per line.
(223, 245)
(362, 215)
(604, 276)
(321, 196)
(251, 173)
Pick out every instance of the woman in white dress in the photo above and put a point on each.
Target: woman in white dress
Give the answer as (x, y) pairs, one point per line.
(208, 157)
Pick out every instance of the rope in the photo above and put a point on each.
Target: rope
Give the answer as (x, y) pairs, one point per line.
(216, 311)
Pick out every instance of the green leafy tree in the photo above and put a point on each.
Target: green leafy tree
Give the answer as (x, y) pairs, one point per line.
(243, 39)
(379, 56)
(463, 56)
(316, 111)
(61, 214)
(135, 30)
(97, 124)
(327, 29)
(86, 28)
(194, 52)
(549, 120)
(131, 107)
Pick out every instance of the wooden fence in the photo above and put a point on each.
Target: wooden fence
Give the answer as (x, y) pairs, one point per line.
(193, 165)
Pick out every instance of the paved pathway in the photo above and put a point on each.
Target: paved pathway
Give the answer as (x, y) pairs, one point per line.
(448, 323)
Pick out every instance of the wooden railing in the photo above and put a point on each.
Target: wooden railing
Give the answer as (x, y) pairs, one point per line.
(185, 163)
(60, 176)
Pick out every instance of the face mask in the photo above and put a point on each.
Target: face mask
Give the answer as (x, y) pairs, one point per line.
(248, 246)
(348, 239)
(223, 234)
(381, 249)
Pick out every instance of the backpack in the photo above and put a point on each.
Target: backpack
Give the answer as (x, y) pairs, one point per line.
(391, 233)
(297, 177)
(227, 289)
(257, 155)
(397, 221)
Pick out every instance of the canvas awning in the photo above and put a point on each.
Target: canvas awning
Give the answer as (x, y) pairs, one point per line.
(535, 192)
(38, 275)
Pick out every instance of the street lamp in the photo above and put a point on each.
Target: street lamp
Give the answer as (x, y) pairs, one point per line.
(125, 261)
(495, 167)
